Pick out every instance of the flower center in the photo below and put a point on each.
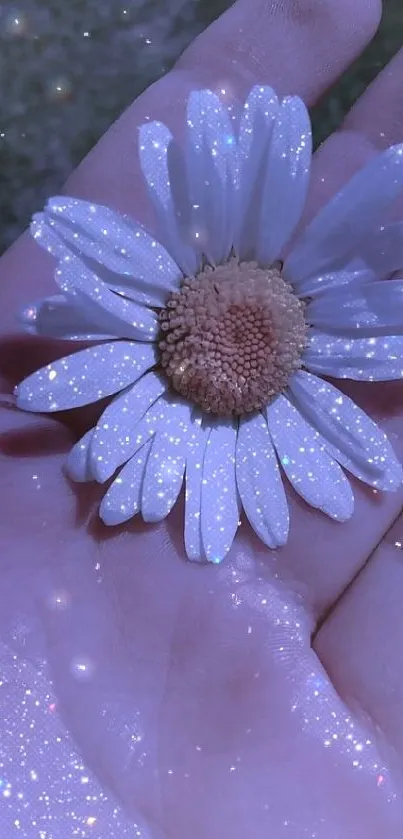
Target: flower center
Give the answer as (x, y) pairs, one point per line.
(232, 337)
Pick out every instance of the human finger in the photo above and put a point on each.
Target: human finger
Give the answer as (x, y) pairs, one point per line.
(360, 642)
(378, 114)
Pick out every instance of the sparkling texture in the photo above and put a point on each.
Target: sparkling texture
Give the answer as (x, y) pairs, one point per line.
(361, 359)
(211, 168)
(366, 313)
(166, 462)
(352, 438)
(123, 499)
(45, 789)
(196, 450)
(113, 436)
(132, 261)
(259, 482)
(58, 317)
(125, 319)
(233, 191)
(85, 377)
(286, 179)
(255, 132)
(219, 500)
(163, 165)
(309, 468)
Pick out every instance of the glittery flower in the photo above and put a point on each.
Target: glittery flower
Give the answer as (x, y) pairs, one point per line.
(213, 338)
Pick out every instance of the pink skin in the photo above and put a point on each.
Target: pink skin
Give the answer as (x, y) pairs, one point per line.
(268, 691)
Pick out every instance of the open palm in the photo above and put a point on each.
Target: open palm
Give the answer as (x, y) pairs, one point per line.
(261, 698)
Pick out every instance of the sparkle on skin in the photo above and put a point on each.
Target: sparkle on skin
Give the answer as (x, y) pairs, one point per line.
(43, 780)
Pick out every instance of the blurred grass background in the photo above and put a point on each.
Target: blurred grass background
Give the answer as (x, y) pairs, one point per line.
(69, 67)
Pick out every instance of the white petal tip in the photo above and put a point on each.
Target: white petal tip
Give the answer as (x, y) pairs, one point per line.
(278, 542)
(196, 95)
(275, 539)
(154, 517)
(392, 482)
(107, 518)
(55, 200)
(102, 471)
(294, 100)
(37, 223)
(216, 558)
(195, 556)
(76, 467)
(24, 403)
(342, 516)
(147, 128)
(113, 517)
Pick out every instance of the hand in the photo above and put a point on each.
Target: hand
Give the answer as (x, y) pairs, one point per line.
(261, 698)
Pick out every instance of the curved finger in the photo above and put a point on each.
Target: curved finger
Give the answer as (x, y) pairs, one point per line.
(360, 642)
(378, 114)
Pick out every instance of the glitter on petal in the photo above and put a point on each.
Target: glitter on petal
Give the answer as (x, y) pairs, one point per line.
(212, 344)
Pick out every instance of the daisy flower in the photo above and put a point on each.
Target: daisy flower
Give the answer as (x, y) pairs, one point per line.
(213, 337)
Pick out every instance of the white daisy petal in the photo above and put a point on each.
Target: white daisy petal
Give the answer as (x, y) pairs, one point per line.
(220, 503)
(383, 250)
(354, 439)
(352, 278)
(196, 449)
(259, 482)
(87, 222)
(124, 318)
(163, 167)
(336, 234)
(78, 463)
(255, 132)
(58, 317)
(123, 498)
(165, 467)
(211, 167)
(119, 250)
(117, 434)
(85, 376)
(286, 179)
(313, 473)
(361, 359)
(363, 312)
(46, 237)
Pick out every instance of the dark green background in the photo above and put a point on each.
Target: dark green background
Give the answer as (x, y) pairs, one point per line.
(69, 67)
